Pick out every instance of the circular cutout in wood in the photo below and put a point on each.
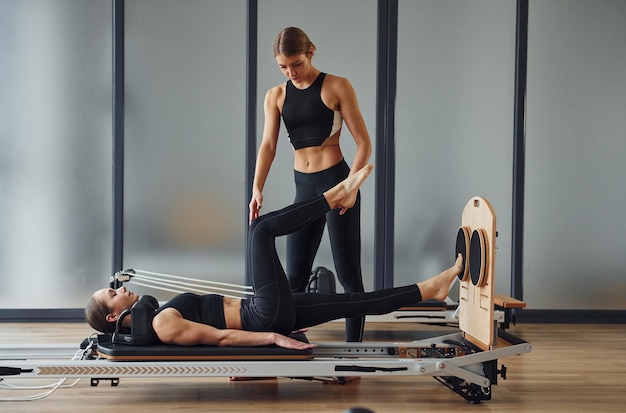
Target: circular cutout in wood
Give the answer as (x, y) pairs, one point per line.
(478, 257)
(462, 247)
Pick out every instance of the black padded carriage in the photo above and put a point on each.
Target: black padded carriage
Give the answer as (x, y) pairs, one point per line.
(163, 352)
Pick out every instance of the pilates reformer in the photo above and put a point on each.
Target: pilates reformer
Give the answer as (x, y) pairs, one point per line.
(466, 362)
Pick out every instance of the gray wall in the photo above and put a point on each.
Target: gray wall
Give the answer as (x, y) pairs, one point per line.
(574, 241)
(454, 128)
(185, 138)
(55, 151)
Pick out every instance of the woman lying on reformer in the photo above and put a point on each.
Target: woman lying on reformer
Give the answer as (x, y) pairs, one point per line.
(273, 312)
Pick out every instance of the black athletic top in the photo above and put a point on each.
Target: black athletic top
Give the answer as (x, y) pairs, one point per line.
(307, 119)
(206, 309)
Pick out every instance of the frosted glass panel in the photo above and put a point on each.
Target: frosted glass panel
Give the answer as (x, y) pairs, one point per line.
(346, 46)
(185, 201)
(55, 151)
(574, 240)
(454, 129)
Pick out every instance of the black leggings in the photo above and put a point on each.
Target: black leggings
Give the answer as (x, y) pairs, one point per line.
(275, 308)
(344, 232)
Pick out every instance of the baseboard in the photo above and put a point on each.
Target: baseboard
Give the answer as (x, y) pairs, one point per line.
(42, 315)
(571, 316)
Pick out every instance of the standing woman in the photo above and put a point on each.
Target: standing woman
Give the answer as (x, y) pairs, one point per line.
(314, 106)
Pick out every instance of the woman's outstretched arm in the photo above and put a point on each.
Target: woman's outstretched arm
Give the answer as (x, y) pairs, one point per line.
(172, 328)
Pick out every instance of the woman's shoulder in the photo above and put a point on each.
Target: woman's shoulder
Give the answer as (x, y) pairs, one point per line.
(278, 88)
(276, 91)
(329, 77)
(338, 86)
(336, 82)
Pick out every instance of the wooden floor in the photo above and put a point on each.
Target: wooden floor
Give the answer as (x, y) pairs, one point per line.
(572, 368)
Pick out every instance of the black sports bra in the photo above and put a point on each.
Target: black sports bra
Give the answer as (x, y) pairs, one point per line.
(307, 119)
(206, 309)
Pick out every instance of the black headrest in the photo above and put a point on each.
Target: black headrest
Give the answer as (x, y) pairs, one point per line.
(141, 331)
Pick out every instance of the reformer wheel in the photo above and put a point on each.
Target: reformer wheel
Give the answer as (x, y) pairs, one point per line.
(463, 248)
(478, 257)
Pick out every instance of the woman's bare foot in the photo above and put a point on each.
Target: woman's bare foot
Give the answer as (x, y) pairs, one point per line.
(343, 195)
(438, 287)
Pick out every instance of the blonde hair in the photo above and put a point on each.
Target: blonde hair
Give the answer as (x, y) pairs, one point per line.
(292, 41)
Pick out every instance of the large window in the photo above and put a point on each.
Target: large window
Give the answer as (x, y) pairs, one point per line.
(575, 148)
(454, 129)
(55, 151)
(185, 201)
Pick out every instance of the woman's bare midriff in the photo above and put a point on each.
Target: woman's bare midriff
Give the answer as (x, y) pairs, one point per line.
(317, 158)
(232, 315)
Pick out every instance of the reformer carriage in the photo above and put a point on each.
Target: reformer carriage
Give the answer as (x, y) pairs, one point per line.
(466, 361)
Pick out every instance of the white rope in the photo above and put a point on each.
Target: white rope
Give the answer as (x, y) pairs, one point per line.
(190, 286)
(244, 287)
(172, 290)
